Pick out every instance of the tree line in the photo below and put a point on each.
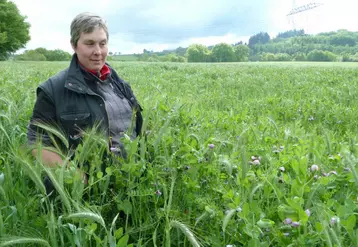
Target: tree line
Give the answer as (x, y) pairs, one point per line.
(42, 54)
(293, 45)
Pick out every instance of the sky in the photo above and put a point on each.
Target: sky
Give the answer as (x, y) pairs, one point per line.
(157, 25)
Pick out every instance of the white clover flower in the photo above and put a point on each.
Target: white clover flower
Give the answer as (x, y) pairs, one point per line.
(314, 168)
(334, 220)
(256, 162)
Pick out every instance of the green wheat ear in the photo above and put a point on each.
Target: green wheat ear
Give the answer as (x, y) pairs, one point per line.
(53, 131)
(186, 231)
(86, 215)
(21, 240)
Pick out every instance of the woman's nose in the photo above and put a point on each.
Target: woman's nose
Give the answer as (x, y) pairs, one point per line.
(97, 50)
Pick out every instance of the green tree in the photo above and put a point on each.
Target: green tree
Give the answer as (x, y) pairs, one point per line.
(342, 40)
(58, 55)
(290, 33)
(241, 52)
(14, 30)
(260, 38)
(31, 55)
(318, 55)
(180, 51)
(223, 53)
(300, 56)
(354, 58)
(197, 53)
(266, 56)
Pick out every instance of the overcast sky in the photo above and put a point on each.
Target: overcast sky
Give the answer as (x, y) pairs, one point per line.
(156, 25)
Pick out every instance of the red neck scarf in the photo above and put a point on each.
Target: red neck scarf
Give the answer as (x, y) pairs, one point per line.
(102, 74)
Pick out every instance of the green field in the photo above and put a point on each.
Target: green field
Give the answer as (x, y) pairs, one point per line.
(242, 154)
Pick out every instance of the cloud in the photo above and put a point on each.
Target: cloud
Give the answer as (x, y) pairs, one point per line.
(135, 25)
(174, 21)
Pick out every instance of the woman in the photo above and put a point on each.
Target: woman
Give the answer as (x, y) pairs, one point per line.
(87, 93)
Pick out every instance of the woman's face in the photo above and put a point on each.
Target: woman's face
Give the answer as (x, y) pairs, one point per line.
(92, 49)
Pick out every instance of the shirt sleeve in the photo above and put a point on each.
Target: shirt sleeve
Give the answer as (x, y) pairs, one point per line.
(44, 112)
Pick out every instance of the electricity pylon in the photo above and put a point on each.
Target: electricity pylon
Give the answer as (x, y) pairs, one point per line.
(302, 8)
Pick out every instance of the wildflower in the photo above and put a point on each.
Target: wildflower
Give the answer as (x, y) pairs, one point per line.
(255, 158)
(334, 220)
(287, 221)
(256, 162)
(211, 145)
(295, 224)
(311, 118)
(158, 193)
(314, 168)
(332, 172)
(115, 149)
(277, 150)
(324, 174)
(282, 169)
(308, 212)
(347, 169)
(286, 234)
(316, 177)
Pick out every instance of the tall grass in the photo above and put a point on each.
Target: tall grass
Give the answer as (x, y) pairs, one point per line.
(225, 159)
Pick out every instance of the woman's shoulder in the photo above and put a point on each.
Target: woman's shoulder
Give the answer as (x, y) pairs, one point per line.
(55, 82)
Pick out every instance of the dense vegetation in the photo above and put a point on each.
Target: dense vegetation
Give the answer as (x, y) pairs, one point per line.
(234, 155)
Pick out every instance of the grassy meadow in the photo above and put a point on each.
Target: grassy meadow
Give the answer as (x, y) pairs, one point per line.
(241, 154)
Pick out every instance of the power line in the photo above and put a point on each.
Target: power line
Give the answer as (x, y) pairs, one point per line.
(304, 8)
